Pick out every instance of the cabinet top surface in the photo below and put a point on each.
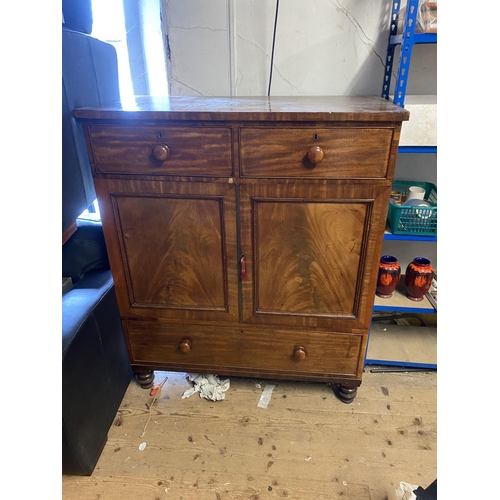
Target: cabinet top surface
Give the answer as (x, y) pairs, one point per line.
(294, 108)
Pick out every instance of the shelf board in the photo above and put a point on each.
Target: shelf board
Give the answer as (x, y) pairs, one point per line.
(401, 345)
(425, 38)
(417, 149)
(420, 132)
(388, 236)
(399, 302)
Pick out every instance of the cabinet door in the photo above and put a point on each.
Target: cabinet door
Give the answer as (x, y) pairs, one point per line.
(311, 253)
(172, 248)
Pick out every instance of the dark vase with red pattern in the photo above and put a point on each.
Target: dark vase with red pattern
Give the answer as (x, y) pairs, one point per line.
(418, 278)
(389, 274)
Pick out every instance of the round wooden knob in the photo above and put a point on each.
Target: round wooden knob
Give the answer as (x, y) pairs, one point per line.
(299, 352)
(315, 154)
(161, 152)
(185, 345)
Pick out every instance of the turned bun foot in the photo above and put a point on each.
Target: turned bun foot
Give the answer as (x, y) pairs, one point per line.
(146, 379)
(347, 394)
(344, 393)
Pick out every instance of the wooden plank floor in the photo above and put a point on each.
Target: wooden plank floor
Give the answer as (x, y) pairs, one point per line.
(306, 445)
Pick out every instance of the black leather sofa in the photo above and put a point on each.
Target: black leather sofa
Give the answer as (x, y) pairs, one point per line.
(95, 365)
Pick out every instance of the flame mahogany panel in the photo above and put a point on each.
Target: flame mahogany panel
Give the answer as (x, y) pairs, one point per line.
(170, 245)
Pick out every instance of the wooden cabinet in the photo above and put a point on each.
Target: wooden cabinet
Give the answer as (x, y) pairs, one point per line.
(244, 233)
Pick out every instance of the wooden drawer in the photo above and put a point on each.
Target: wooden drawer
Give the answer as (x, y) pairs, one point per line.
(246, 352)
(149, 150)
(344, 152)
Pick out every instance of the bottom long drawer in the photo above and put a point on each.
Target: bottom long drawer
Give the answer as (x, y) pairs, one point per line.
(287, 354)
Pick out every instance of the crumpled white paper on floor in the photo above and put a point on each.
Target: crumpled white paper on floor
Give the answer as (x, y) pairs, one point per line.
(209, 387)
(405, 491)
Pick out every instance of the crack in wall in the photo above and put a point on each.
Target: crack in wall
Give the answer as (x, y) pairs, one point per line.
(191, 88)
(363, 37)
(196, 28)
(289, 83)
(336, 84)
(251, 42)
(239, 79)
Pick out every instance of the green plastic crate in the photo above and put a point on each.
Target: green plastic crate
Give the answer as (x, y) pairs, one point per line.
(414, 220)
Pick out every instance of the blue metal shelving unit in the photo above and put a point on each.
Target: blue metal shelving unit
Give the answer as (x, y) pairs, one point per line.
(403, 237)
(384, 362)
(417, 149)
(408, 309)
(405, 42)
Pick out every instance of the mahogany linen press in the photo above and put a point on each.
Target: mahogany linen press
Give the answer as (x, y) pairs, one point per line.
(244, 233)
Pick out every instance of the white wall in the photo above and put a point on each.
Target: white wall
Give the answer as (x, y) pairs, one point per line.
(323, 47)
